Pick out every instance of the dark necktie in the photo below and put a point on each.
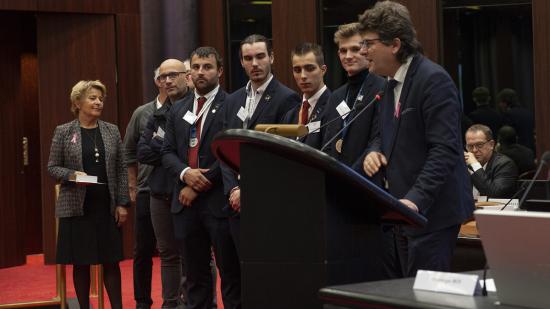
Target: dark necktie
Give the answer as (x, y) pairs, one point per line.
(389, 121)
(194, 151)
(304, 113)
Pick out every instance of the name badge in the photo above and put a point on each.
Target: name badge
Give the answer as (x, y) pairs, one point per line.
(190, 117)
(313, 127)
(242, 114)
(437, 281)
(193, 140)
(343, 109)
(160, 132)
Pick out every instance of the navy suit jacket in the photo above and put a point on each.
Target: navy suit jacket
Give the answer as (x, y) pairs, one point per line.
(360, 131)
(426, 161)
(313, 139)
(175, 153)
(276, 101)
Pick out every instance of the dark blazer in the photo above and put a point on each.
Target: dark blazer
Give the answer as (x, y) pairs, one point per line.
(498, 179)
(175, 153)
(276, 101)
(149, 152)
(425, 160)
(66, 158)
(360, 131)
(313, 139)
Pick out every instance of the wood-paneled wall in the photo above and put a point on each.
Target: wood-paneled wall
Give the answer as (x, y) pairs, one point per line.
(293, 22)
(425, 17)
(76, 40)
(212, 25)
(11, 182)
(541, 65)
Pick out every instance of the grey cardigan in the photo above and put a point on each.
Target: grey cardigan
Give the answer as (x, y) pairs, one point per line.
(66, 158)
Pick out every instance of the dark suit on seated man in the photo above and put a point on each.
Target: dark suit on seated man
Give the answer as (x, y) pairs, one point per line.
(199, 206)
(417, 147)
(308, 67)
(493, 174)
(263, 100)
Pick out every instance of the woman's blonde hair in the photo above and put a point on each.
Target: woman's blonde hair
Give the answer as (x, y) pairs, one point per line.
(81, 88)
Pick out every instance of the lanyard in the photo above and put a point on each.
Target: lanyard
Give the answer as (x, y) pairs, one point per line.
(345, 120)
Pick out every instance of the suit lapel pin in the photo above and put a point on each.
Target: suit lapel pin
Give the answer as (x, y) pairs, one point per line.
(267, 97)
(360, 97)
(73, 140)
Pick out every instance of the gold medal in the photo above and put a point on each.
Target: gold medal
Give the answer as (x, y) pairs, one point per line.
(339, 144)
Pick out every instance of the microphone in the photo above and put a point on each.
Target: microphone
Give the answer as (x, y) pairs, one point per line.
(522, 187)
(543, 161)
(362, 108)
(357, 106)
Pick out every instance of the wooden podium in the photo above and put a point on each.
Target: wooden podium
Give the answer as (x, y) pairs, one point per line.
(307, 221)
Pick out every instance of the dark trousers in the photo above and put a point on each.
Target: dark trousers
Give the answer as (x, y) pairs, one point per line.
(430, 251)
(144, 248)
(201, 232)
(235, 228)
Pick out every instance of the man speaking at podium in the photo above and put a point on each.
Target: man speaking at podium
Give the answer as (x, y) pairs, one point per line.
(417, 147)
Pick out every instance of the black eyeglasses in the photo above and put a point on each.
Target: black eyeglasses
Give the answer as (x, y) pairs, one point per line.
(171, 76)
(368, 43)
(478, 146)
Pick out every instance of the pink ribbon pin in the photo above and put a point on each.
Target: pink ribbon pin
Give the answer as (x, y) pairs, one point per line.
(73, 140)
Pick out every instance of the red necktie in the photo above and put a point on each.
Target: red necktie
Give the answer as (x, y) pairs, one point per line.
(304, 113)
(194, 151)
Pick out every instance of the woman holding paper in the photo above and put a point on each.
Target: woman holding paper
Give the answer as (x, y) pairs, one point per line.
(90, 213)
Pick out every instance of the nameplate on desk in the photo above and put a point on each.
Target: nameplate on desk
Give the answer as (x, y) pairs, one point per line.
(444, 282)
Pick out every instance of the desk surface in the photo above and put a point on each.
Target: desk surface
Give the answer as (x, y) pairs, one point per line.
(400, 294)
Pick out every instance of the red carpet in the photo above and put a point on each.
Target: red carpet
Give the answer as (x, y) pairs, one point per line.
(36, 281)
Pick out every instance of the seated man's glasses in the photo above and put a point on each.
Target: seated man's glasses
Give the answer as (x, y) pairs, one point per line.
(479, 145)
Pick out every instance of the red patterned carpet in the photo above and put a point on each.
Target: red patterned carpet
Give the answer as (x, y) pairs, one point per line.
(36, 281)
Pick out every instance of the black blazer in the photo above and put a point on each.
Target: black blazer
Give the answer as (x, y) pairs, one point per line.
(276, 101)
(149, 152)
(359, 132)
(498, 179)
(313, 139)
(426, 161)
(175, 152)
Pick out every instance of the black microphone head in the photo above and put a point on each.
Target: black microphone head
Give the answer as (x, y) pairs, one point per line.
(545, 157)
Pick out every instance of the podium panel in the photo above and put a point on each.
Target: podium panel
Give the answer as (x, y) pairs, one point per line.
(306, 221)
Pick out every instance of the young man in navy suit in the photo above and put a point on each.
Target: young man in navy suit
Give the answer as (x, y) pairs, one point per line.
(417, 148)
(308, 68)
(344, 103)
(263, 100)
(198, 203)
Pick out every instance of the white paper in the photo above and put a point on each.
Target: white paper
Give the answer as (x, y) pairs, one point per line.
(491, 287)
(85, 179)
(343, 109)
(436, 281)
(242, 114)
(313, 127)
(190, 117)
(160, 132)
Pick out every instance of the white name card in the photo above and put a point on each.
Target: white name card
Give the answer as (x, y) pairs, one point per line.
(453, 283)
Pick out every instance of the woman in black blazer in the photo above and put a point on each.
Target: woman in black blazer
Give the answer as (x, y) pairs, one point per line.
(90, 216)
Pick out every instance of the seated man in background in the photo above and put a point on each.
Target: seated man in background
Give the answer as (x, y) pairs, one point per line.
(492, 174)
(523, 157)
